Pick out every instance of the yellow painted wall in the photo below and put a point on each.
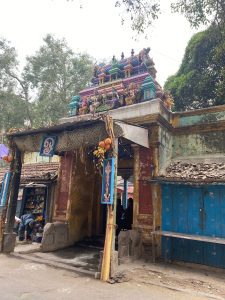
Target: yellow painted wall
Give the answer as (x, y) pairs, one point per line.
(34, 157)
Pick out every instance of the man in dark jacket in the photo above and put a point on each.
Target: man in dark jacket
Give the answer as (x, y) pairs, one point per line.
(26, 227)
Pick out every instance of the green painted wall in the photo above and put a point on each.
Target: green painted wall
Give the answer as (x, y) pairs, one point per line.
(201, 119)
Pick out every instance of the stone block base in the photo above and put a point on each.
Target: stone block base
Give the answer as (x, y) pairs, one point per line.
(113, 265)
(9, 242)
(55, 236)
(129, 244)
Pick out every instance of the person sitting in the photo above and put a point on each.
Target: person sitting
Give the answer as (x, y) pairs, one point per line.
(26, 226)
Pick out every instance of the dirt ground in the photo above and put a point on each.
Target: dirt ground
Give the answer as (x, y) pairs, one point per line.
(186, 280)
(189, 278)
(22, 278)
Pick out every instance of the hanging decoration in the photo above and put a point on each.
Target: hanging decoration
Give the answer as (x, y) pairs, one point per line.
(4, 154)
(101, 150)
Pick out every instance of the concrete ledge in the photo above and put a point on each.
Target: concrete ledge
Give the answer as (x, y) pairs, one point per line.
(126, 113)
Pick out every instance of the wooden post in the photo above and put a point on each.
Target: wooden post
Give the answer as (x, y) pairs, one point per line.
(109, 245)
(3, 215)
(15, 184)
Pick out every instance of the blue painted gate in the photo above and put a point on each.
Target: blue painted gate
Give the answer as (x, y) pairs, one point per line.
(194, 210)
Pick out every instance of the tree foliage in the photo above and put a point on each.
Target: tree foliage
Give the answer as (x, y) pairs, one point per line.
(200, 80)
(198, 12)
(13, 107)
(56, 74)
(141, 12)
(39, 95)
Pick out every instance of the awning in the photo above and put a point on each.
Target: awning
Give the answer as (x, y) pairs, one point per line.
(75, 137)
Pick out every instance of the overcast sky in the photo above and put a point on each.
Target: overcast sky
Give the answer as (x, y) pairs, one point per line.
(95, 28)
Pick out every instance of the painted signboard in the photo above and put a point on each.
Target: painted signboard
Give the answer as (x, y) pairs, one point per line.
(108, 181)
(48, 146)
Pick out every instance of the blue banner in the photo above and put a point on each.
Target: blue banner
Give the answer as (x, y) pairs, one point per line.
(4, 188)
(125, 194)
(108, 181)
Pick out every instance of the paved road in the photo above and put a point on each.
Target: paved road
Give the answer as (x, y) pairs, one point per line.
(23, 279)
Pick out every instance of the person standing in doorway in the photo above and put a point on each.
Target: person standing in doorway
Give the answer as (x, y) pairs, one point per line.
(129, 214)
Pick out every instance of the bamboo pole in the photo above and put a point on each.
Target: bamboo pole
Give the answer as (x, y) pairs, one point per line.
(109, 245)
(106, 258)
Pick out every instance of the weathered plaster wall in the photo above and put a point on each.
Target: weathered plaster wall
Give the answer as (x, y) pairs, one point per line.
(77, 209)
(84, 212)
(199, 144)
(165, 140)
(34, 157)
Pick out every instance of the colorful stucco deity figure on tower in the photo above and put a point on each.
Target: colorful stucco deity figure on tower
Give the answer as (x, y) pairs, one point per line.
(101, 75)
(130, 80)
(114, 71)
(74, 105)
(128, 68)
(146, 61)
(168, 100)
(94, 102)
(131, 93)
(84, 107)
(115, 98)
(148, 86)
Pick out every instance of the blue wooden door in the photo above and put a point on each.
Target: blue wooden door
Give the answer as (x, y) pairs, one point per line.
(194, 210)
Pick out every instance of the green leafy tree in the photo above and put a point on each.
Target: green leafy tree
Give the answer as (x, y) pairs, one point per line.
(198, 12)
(12, 110)
(55, 74)
(200, 79)
(141, 12)
(14, 100)
(201, 12)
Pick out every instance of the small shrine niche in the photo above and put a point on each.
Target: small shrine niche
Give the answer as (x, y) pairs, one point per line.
(122, 82)
(148, 87)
